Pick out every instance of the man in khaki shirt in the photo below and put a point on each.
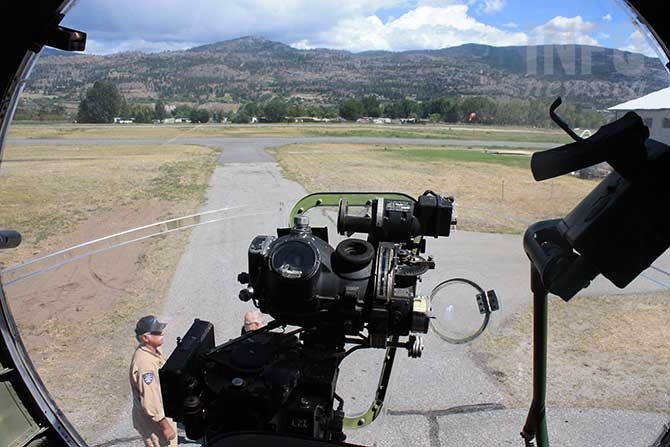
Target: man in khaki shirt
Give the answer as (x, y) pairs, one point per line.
(148, 414)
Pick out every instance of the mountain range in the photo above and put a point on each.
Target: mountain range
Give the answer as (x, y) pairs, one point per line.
(257, 69)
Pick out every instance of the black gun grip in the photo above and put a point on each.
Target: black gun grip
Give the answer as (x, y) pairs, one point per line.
(620, 143)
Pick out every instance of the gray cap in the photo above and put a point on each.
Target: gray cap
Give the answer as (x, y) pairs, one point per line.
(149, 324)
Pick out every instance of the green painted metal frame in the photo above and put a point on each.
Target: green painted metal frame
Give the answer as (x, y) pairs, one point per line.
(332, 199)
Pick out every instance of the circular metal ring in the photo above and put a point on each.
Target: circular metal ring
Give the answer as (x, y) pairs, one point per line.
(485, 322)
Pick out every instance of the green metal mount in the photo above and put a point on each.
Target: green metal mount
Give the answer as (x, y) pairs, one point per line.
(332, 199)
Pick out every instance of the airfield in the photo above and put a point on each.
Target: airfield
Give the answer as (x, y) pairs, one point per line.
(608, 381)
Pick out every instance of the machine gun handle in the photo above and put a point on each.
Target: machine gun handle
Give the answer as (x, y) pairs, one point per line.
(620, 143)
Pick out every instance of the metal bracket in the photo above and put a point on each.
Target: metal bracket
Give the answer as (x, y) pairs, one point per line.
(60, 37)
(559, 121)
(367, 417)
(487, 302)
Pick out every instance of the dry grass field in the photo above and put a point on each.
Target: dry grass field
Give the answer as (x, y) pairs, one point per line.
(76, 321)
(494, 193)
(604, 352)
(92, 131)
(48, 190)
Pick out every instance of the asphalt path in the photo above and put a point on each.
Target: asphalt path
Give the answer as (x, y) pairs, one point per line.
(445, 398)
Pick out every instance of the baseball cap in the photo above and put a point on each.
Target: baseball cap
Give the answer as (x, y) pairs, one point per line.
(149, 324)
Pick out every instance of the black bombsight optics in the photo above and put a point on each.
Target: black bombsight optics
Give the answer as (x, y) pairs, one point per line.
(360, 293)
(400, 220)
(301, 280)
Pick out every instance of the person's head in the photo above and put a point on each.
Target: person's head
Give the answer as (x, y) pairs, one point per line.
(149, 331)
(253, 320)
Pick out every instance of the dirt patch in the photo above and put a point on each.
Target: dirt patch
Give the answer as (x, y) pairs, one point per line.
(77, 321)
(68, 292)
(604, 351)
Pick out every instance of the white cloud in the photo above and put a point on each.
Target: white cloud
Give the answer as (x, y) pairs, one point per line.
(563, 30)
(425, 27)
(638, 44)
(492, 6)
(367, 33)
(607, 18)
(158, 25)
(443, 3)
(205, 21)
(136, 44)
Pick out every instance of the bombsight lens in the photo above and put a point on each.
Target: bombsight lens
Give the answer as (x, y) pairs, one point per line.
(457, 304)
(294, 259)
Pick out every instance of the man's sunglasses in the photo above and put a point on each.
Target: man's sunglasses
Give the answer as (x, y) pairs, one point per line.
(156, 333)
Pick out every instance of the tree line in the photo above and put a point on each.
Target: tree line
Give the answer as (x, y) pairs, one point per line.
(520, 112)
(480, 109)
(103, 102)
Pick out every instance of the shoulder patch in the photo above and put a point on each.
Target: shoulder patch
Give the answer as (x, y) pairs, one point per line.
(148, 378)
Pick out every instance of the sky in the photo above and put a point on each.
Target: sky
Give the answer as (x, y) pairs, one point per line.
(354, 25)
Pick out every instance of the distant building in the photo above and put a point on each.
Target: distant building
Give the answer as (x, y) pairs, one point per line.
(382, 120)
(654, 109)
(307, 119)
(119, 120)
